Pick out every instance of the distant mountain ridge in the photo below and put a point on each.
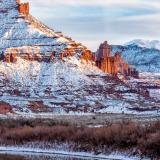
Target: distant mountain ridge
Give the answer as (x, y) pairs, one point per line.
(140, 55)
(153, 44)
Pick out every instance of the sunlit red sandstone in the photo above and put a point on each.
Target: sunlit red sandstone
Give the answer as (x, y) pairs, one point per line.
(113, 64)
(23, 7)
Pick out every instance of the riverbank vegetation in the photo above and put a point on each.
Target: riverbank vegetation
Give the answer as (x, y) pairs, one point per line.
(136, 138)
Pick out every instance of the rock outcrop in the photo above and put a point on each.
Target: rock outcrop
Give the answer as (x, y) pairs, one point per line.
(23, 7)
(24, 36)
(5, 108)
(113, 64)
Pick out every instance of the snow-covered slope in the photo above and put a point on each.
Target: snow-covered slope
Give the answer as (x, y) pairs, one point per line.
(154, 44)
(144, 59)
(18, 30)
(69, 86)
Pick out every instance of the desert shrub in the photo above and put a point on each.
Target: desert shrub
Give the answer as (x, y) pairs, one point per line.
(144, 137)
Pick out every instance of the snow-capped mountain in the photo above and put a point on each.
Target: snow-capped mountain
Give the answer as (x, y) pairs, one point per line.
(145, 59)
(153, 44)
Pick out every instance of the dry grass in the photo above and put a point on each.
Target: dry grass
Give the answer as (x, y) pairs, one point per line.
(119, 136)
(11, 157)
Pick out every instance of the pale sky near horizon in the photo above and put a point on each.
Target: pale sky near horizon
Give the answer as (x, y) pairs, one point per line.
(93, 21)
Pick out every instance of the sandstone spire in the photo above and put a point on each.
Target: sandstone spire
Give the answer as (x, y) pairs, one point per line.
(23, 7)
(113, 64)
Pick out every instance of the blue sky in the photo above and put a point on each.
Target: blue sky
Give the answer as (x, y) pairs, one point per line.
(93, 21)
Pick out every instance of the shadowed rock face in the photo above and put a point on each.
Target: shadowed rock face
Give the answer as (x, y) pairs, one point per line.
(23, 35)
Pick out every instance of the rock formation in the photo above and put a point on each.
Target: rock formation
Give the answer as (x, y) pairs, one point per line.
(66, 85)
(113, 64)
(23, 35)
(5, 108)
(23, 7)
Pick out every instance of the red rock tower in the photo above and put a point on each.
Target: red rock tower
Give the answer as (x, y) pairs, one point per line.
(104, 51)
(112, 64)
(23, 7)
(104, 60)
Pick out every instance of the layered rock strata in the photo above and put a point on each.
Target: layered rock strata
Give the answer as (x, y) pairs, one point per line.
(23, 35)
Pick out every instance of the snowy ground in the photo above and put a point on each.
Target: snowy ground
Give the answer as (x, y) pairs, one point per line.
(153, 83)
(82, 155)
(74, 86)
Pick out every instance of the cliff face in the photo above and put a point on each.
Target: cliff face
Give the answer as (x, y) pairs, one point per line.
(23, 35)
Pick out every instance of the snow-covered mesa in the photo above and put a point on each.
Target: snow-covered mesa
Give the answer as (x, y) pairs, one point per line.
(28, 35)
